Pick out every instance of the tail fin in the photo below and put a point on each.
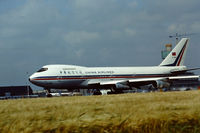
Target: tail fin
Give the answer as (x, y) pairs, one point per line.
(177, 56)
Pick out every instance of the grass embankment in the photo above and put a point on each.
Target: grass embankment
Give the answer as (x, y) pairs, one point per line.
(149, 112)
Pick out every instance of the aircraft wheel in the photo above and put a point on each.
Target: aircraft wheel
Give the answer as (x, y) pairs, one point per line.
(48, 90)
(119, 92)
(49, 95)
(111, 92)
(97, 93)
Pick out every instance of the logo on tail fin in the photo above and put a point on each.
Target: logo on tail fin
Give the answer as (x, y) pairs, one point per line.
(174, 54)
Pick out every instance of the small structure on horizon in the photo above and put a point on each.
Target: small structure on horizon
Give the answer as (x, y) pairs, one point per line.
(168, 49)
(9, 91)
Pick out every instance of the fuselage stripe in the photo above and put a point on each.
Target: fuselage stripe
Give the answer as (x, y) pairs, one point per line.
(94, 77)
(182, 54)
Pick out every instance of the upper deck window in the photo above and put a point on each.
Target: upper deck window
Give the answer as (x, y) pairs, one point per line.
(42, 70)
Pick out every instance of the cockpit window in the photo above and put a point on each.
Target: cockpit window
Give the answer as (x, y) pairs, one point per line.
(42, 70)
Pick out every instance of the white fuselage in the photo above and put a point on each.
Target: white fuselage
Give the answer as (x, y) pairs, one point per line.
(70, 77)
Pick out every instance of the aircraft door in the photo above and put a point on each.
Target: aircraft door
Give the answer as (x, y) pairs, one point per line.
(60, 76)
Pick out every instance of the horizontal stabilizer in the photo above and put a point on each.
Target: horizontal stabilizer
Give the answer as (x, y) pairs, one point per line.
(183, 71)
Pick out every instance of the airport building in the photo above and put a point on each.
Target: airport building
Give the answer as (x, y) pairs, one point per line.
(185, 84)
(10, 91)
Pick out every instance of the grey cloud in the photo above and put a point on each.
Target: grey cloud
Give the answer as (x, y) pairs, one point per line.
(80, 37)
(91, 33)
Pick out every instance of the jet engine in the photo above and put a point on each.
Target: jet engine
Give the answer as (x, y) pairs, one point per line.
(121, 86)
(161, 84)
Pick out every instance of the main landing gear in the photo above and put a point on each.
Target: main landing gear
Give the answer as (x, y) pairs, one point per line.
(97, 92)
(115, 91)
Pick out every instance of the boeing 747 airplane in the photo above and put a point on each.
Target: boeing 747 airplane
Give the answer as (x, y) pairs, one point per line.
(115, 78)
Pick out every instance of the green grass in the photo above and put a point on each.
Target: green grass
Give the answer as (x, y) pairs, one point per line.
(160, 112)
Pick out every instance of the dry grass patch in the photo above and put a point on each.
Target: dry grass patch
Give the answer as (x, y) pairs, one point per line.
(143, 112)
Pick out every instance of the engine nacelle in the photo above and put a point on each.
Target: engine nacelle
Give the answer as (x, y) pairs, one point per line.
(121, 86)
(162, 84)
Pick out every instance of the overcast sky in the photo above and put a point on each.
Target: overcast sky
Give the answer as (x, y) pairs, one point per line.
(34, 33)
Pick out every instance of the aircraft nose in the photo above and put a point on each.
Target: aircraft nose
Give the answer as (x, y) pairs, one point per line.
(31, 78)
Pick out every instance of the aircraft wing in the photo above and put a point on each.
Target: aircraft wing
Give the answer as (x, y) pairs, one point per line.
(106, 82)
(138, 81)
(184, 77)
(126, 81)
(183, 71)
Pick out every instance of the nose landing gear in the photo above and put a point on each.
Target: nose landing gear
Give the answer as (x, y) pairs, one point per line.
(48, 92)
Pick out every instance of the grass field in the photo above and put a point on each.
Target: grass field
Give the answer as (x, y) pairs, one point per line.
(142, 112)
